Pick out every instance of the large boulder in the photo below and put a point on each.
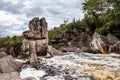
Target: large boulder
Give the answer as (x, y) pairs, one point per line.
(99, 43)
(52, 51)
(10, 76)
(3, 54)
(81, 41)
(112, 39)
(116, 47)
(13, 76)
(32, 47)
(28, 35)
(114, 44)
(8, 64)
(3, 49)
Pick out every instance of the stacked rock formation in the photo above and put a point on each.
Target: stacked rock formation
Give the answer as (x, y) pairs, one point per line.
(35, 40)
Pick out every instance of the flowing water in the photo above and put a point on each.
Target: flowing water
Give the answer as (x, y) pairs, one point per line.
(74, 66)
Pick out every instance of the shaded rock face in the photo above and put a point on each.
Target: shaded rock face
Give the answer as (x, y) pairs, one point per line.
(2, 54)
(116, 47)
(99, 43)
(105, 44)
(10, 76)
(13, 76)
(7, 65)
(112, 39)
(82, 41)
(114, 43)
(3, 50)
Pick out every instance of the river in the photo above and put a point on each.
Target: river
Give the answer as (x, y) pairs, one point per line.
(73, 66)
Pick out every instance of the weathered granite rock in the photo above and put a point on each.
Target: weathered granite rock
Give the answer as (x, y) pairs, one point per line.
(35, 40)
(41, 47)
(99, 43)
(112, 39)
(81, 41)
(38, 28)
(13, 76)
(3, 49)
(10, 76)
(116, 48)
(86, 49)
(52, 51)
(8, 64)
(28, 35)
(32, 47)
(3, 54)
(25, 46)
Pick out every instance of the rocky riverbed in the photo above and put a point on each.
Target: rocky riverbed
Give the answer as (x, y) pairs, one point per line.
(76, 66)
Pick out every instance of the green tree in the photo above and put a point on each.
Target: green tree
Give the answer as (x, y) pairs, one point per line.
(93, 8)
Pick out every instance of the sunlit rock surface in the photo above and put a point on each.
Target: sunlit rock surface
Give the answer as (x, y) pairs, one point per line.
(76, 66)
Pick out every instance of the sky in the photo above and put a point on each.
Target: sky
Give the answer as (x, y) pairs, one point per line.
(16, 14)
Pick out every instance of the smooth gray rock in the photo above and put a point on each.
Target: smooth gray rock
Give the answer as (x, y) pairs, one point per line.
(25, 46)
(8, 64)
(10, 76)
(3, 54)
(41, 47)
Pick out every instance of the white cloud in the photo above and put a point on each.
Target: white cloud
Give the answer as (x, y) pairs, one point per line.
(15, 14)
(10, 24)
